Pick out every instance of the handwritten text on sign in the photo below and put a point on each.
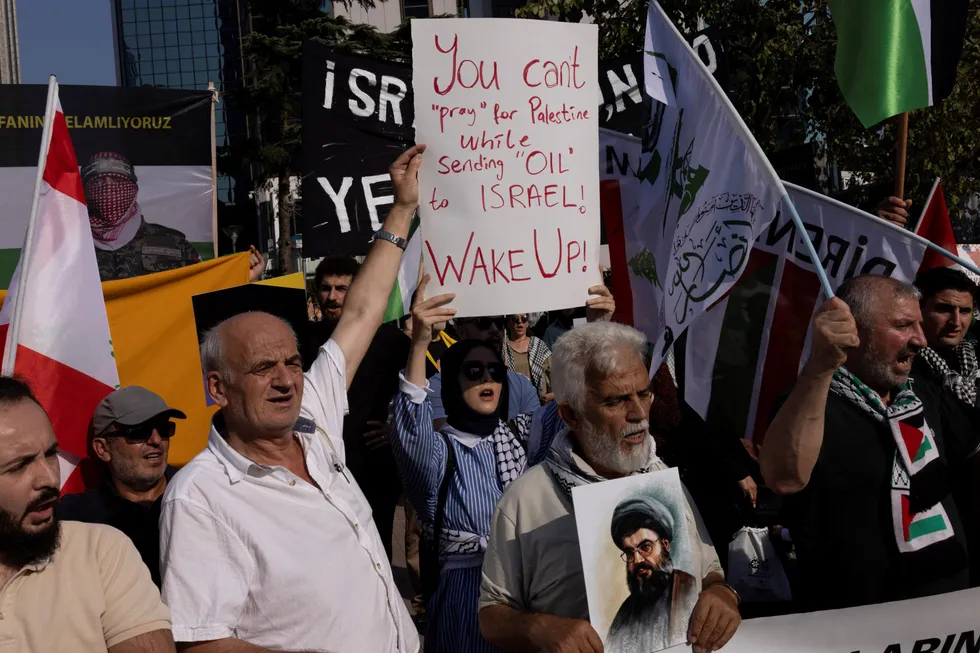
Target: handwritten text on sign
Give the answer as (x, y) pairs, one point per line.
(509, 187)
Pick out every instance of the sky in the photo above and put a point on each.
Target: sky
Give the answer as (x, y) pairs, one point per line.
(71, 39)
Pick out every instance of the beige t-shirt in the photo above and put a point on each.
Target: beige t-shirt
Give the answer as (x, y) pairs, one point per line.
(533, 562)
(92, 594)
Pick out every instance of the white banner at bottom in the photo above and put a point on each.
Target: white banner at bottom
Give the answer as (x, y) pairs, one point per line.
(947, 623)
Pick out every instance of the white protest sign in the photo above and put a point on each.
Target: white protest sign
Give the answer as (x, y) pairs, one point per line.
(509, 185)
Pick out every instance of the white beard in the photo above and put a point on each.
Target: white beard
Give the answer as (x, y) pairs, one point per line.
(606, 449)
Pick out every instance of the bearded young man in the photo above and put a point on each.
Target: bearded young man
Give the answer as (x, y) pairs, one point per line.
(532, 595)
(950, 360)
(870, 458)
(71, 586)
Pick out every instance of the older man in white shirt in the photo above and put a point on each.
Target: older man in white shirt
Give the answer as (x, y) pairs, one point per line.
(267, 543)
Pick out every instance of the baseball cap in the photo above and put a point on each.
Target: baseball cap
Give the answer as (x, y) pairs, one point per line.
(130, 406)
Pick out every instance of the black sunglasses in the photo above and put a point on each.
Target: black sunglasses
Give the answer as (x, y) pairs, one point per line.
(474, 371)
(519, 319)
(484, 323)
(142, 432)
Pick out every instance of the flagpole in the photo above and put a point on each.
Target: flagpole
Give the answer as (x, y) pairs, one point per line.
(214, 173)
(10, 348)
(925, 207)
(902, 125)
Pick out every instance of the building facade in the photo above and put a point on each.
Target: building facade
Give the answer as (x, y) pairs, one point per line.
(9, 50)
(188, 44)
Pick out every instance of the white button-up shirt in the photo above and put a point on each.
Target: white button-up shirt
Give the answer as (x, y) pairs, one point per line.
(257, 554)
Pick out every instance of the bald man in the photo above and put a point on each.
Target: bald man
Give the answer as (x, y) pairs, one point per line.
(267, 542)
(869, 457)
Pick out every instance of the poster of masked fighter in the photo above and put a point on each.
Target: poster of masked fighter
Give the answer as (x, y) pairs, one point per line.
(643, 559)
(145, 159)
(126, 244)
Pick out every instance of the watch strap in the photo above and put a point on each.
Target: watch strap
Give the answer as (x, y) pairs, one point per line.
(391, 238)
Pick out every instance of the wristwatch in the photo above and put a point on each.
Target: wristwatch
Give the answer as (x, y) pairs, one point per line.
(391, 238)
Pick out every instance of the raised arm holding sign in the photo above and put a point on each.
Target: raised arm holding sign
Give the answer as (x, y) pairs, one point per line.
(509, 187)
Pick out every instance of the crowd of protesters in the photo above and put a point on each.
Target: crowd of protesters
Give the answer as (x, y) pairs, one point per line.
(279, 535)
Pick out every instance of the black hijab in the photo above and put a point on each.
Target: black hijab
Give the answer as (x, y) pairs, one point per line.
(458, 415)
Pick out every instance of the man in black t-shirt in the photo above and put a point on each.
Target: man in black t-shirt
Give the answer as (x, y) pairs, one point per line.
(868, 458)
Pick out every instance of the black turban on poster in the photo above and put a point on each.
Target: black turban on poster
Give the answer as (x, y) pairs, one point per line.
(641, 512)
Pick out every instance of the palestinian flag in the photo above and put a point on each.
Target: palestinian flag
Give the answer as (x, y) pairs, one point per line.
(897, 55)
(400, 300)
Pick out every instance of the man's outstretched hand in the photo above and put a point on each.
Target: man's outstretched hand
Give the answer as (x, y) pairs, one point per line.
(256, 265)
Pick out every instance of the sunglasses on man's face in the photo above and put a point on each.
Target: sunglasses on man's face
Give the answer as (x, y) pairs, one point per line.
(140, 433)
(475, 371)
(518, 319)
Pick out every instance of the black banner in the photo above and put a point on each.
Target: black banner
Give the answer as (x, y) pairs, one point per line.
(621, 81)
(148, 126)
(358, 116)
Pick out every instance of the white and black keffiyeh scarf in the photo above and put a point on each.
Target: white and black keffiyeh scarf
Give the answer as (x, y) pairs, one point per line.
(921, 526)
(510, 445)
(569, 474)
(963, 381)
(537, 356)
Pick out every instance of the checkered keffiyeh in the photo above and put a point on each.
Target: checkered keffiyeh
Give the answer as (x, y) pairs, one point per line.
(963, 382)
(110, 193)
(918, 473)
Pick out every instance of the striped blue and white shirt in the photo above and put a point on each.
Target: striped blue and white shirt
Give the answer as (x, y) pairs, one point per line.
(420, 453)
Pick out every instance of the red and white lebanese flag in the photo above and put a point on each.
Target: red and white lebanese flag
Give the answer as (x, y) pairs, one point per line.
(934, 225)
(53, 324)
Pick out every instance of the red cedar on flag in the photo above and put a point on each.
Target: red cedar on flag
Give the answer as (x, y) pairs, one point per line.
(935, 226)
(53, 326)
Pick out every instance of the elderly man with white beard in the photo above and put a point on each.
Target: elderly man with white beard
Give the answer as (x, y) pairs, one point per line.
(532, 596)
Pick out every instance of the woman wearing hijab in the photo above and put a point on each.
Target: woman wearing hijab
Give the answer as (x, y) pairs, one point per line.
(528, 355)
(485, 454)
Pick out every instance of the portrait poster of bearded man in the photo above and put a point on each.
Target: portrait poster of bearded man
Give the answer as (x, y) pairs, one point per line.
(640, 576)
(126, 244)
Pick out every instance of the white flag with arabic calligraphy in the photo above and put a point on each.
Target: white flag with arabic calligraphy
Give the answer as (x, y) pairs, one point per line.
(707, 191)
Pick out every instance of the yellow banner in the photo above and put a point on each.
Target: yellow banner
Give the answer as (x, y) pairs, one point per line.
(151, 319)
(295, 280)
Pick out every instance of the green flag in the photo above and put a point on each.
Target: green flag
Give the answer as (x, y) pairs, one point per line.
(400, 300)
(897, 55)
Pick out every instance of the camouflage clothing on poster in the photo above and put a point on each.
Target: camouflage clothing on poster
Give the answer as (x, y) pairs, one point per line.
(154, 248)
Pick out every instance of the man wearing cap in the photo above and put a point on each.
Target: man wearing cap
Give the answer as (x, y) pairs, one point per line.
(131, 432)
(655, 614)
(126, 245)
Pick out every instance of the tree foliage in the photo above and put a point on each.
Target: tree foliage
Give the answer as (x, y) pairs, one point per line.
(780, 62)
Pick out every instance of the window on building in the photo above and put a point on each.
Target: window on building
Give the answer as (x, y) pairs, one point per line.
(416, 8)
